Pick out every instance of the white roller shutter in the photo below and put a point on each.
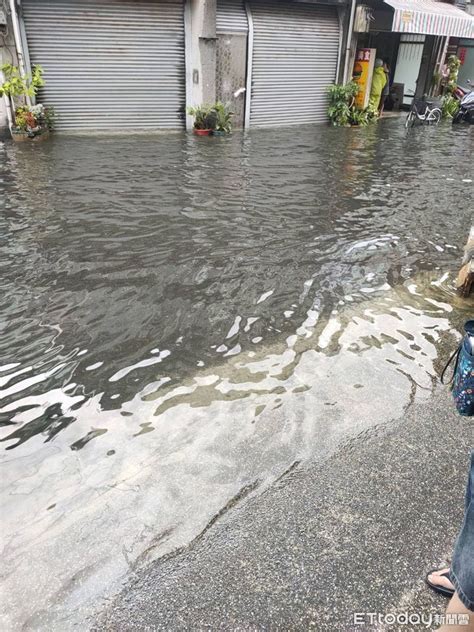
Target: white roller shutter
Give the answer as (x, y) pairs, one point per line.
(231, 16)
(110, 64)
(295, 51)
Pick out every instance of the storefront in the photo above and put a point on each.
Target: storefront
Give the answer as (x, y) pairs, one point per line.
(292, 53)
(110, 64)
(411, 36)
(294, 59)
(465, 52)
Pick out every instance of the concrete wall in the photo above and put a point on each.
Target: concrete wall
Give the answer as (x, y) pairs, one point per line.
(200, 19)
(231, 73)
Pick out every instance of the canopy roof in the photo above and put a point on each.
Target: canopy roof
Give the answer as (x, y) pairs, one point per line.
(429, 17)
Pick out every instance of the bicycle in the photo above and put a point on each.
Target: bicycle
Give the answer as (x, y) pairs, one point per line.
(423, 111)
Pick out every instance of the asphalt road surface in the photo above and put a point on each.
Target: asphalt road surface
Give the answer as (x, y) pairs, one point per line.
(354, 534)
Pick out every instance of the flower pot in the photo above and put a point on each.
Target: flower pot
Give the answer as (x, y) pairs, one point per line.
(218, 132)
(202, 132)
(22, 137)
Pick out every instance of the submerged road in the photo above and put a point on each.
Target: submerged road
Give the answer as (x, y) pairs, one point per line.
(355, 534)
(208, 350)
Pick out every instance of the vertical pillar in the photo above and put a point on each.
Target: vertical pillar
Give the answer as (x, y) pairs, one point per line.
(426, 68)
(7, 56)
(200, 34)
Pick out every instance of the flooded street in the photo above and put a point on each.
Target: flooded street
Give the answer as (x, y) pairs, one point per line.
(185, 318)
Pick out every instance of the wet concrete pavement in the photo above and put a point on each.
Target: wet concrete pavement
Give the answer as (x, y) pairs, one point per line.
(356, 533)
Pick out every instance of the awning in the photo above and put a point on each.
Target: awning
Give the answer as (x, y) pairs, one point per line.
(429, 17)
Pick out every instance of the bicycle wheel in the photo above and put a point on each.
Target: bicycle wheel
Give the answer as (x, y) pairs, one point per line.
(435, 116)
(410, 120)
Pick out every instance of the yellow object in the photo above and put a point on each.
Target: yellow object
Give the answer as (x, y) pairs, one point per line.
(362, 75)
(379, 80)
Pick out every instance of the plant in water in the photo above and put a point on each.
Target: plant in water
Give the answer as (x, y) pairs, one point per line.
(449, 106)
(205, 116)
(341, 102)
(342, 110)
(362, 117)
(223, 118)
(34, 119)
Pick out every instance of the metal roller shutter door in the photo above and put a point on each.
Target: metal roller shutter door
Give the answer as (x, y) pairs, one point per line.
(110, 64)
(231, 16)
(295, 51)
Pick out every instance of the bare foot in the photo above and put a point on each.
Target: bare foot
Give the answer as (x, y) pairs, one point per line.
(439, 578)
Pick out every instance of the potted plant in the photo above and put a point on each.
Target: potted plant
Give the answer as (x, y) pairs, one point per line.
(205, 119)
(29, 122)
(223, 119)
(32, 122)
(342, 110)
(449, 106)
(362, 118)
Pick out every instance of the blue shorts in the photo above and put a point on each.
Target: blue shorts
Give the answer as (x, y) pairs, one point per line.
(462, 566)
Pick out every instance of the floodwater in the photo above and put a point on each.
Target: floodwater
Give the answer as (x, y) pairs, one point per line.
(183, 319)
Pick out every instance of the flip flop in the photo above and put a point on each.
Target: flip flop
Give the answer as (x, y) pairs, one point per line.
(442, 590)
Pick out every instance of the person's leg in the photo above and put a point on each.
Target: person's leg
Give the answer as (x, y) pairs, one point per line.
(458, 618)
(462, 568)
(381, 104)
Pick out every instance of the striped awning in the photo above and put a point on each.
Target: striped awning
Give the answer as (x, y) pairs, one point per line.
(429, 17)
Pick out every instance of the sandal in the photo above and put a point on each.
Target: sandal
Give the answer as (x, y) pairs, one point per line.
(442, 590)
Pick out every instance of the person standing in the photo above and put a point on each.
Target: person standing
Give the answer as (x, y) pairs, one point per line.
(457, 582)
(386, 90)
(378, 84)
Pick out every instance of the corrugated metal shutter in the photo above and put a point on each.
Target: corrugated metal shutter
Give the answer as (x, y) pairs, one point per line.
(295, 54)
(110, 63)
(231, 16)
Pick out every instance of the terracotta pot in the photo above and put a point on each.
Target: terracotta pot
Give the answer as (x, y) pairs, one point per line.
(202, 132)
(22, 137)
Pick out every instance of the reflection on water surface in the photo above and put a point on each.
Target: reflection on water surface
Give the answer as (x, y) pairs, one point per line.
(182, 316)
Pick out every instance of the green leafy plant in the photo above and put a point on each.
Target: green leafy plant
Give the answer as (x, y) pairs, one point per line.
(15, 85)
(342, 111)
(340, 114)
(341, 101)
(453, 64)
(449, 106)
(205, 116)
(49, 117)
(223, 118)
(347, 93)
(362, 117)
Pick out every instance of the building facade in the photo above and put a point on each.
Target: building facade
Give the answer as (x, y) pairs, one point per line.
(413, 37)
(125, 65)
(137, 64)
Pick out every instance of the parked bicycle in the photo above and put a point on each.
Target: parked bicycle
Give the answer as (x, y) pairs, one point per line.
(423, 111)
